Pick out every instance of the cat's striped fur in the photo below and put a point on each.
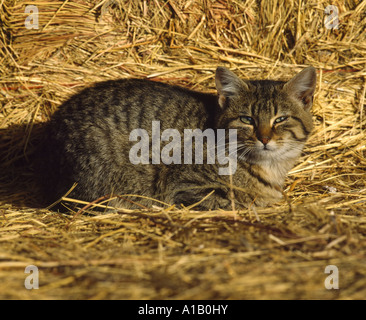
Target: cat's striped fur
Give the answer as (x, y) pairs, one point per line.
(88, 140)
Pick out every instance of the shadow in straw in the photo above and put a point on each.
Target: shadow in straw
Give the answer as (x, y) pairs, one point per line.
(19, 185)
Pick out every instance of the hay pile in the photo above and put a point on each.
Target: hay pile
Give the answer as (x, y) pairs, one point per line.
(278, 252)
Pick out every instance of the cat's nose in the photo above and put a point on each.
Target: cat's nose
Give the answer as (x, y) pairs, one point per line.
(264, 134)
(264, 139)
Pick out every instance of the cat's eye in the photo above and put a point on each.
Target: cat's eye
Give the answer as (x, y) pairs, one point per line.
(247, 120)
(280, 119)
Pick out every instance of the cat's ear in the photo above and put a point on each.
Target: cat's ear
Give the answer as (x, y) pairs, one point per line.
(302, 86)
(228, 84)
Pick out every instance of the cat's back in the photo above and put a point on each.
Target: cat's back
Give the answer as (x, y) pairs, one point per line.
(128, 104)
(88, 137)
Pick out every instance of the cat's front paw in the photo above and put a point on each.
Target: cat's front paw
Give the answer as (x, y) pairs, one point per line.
(202, 200)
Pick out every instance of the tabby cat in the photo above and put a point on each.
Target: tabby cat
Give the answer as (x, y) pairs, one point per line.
(88, 141)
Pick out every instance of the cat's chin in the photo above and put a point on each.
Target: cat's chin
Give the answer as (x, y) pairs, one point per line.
(271, 155)
(260, 157)
(265, 153)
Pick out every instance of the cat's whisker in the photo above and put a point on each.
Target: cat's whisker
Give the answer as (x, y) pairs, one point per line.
(238, 148)
(243, 154)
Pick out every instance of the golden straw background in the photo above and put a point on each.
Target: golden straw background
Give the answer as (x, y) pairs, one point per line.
(278, 252)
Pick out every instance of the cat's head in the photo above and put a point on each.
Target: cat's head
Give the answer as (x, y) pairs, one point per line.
(272, 118)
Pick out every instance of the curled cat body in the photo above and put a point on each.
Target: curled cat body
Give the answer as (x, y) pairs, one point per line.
(89, 141)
